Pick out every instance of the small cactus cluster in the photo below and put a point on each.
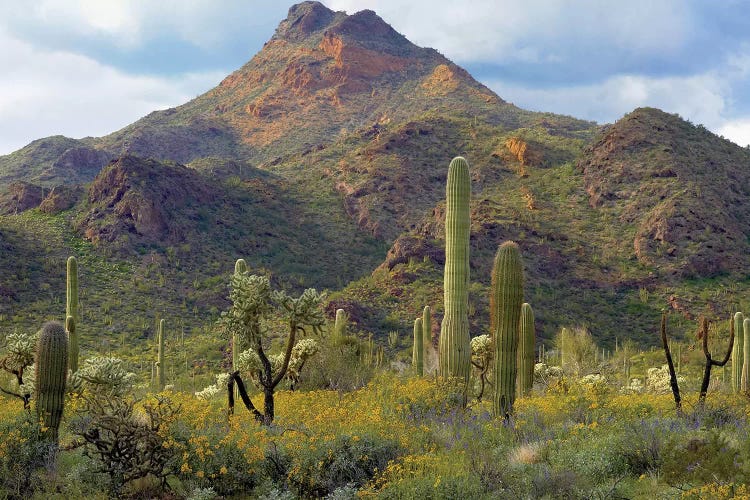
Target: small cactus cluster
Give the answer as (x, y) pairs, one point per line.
(512, 326)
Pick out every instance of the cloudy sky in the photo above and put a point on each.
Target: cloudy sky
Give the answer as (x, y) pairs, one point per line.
(89, 67)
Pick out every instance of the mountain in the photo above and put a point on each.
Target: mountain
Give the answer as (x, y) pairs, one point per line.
(323, 161)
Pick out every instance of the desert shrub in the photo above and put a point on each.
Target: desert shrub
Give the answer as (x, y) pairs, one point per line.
(23, 453)
(127, 440)
(338, 366)
(430, 475)
(641, 443)
(702, 457)
(346, 460)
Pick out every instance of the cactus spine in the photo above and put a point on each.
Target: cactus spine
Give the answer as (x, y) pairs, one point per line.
(51, 376)
(418, 354)
(161, 369)
(737, 351)
(455, 344)
(745, 355)
(526, 351)
(71, 309)
(507, 294)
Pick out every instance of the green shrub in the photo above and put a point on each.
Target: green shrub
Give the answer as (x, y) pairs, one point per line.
(23, 455)
(347, 460)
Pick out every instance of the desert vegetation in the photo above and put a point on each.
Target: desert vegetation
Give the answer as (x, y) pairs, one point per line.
(330, 412)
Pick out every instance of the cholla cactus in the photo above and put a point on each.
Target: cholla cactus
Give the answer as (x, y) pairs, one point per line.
(482, 353)
(103, 376)
(19, 362)
(250, 362)
(658, 381)
(212, 390)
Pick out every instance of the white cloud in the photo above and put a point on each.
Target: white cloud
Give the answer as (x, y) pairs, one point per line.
(49, 93)
(737, 131)
(697, 98)
(129, 24)
(534, 30)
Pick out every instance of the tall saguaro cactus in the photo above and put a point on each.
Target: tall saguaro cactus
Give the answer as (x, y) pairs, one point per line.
(240, 267)
(71, 309)
(737, 352)
(525, 377)
(507, 295)
(51, 376)
(418, 353)
(161, 369)
(455, 345)
(744, 386)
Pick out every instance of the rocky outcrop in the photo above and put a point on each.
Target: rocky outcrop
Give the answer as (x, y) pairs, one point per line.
(61, 198)
(21, 196)
(144, 198)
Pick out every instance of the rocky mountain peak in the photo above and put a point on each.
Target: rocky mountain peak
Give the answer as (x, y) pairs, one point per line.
(303, 20)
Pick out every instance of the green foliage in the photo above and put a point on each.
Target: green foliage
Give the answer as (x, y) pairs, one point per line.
(51, 377)
(23, 456)
(506, 299)
(454, 346)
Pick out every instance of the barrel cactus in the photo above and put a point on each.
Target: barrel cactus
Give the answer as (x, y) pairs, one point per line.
(737, 352)
(525, 377)
(507, 294)
(454, 345)
(418, 354)
(71, 309)
(51, 376)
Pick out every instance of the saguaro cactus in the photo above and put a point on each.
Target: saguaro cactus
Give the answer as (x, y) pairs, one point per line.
(51, 376)
(339, 325)
(418, 353)
(71, 309)
(525, 377)
(737, 352)
(161, 369)
(454, 346)
(240, 267)
(507, 294)
(745, 355)
(427, 328)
